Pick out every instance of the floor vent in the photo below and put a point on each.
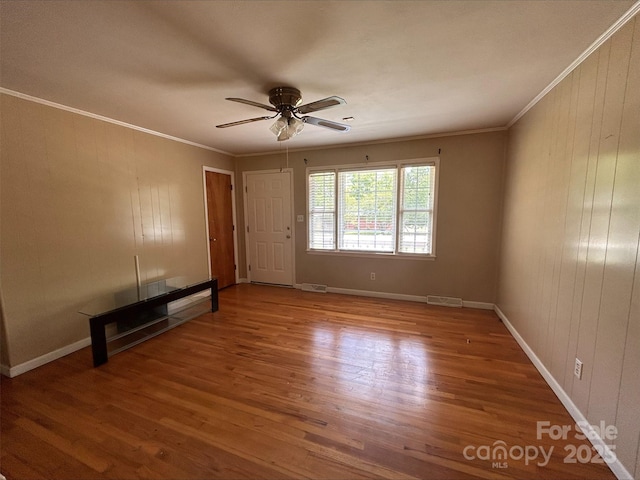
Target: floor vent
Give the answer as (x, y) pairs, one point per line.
(444, 301)
(312, 287)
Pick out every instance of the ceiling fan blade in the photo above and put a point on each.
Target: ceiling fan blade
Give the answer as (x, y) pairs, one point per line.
(252, 103)
(327, 124)
(321, 104)
(241, 122)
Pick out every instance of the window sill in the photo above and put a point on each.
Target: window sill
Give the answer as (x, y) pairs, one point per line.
(396, 256)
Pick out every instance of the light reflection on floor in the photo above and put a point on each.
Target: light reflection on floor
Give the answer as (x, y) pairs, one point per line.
(373, 366)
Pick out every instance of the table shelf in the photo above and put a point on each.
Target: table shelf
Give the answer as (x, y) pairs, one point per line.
(144, 319)
(130, 338)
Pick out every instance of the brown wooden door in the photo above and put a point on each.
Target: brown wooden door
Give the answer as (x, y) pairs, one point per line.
(220, 220)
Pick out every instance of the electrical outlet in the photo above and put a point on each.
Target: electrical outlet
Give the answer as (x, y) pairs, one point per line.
(577, 370)
(373, 275)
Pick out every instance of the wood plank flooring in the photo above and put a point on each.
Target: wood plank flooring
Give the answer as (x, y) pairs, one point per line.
(284, 384)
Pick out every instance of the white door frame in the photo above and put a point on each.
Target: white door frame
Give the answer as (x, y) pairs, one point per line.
(206, 169)
(246, 218)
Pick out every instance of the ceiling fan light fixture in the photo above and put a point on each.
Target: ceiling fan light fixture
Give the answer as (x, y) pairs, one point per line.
(296, 125)
(284, 135)
(286, 128)
(279, 125)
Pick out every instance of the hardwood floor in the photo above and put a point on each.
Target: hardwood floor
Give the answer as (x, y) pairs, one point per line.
(288, 384)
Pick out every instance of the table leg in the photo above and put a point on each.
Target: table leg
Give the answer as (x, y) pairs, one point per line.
(214, 296)
(98, 342)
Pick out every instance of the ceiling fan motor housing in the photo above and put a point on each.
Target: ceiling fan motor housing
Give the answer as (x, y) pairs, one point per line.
(285, 98)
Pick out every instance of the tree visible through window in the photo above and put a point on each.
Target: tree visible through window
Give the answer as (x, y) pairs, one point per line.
(386, 209)
(367, 202)
(416, 211)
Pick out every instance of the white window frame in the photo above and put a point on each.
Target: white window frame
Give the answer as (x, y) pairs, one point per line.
(398, 164)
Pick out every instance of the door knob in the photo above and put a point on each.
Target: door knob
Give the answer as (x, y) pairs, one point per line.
(288, 236)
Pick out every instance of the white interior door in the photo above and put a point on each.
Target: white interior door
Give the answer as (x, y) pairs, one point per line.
(269, 235)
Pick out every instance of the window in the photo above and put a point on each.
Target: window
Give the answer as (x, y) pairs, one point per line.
(322, 210)
(367, 200)
(385, 209)
(416, 209)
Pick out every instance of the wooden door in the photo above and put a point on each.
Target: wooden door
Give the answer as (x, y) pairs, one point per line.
(220, 223)
(269, 238)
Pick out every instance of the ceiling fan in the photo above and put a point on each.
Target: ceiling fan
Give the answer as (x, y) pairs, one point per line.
(292, 116)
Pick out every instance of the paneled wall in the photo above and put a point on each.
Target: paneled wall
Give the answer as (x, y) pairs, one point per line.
(80, 197)
(570, 269)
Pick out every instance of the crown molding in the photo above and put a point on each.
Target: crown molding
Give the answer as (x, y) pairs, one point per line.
(628, 15)
(48, 103)
(84, 113)
(377, 142)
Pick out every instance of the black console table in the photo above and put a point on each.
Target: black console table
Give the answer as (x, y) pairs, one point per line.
(130, 317)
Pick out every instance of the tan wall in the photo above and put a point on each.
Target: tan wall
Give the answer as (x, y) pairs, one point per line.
(4, 352)
(570, 271)
(80, 197)
(468, 219)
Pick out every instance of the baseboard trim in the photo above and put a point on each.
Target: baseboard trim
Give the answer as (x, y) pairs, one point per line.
(480, 305)
(371, 293)
(397, 296)
(178, 305)
(47, 357)
(616, 467)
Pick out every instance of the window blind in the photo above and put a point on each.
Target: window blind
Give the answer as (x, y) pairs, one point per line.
(322, 209)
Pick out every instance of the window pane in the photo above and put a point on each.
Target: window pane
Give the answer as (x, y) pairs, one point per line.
(367, 210)
(417, 187)
(322, 210)
(416, 210)
(322, 227)
(415, 232)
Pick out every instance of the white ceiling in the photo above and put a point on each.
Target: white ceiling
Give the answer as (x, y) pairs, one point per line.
(405, 68)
